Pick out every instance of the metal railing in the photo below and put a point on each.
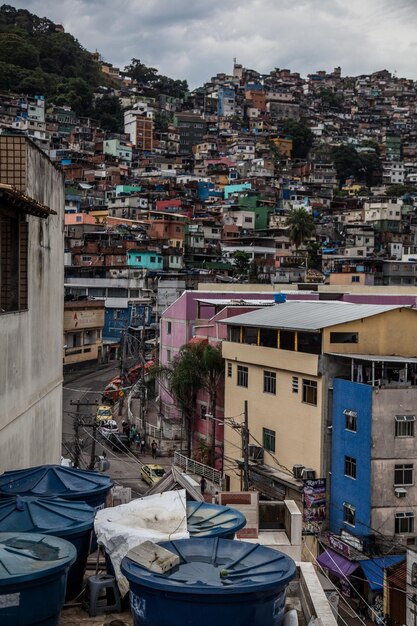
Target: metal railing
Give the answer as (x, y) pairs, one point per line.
(194, 467)
(153, 431)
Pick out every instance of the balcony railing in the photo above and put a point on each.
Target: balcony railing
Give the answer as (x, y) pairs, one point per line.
(194, 467)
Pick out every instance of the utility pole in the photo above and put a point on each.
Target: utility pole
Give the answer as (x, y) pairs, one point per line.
(142, 385)
(245, 448)
(77, 449)
(93, 446)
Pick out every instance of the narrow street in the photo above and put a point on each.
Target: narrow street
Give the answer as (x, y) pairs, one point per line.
(124, 467)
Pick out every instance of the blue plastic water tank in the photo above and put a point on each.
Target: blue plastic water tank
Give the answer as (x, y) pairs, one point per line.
(33, 577)
(280, 298)
(213, 520)
(218, 582)
(57, 481)
(72, 521)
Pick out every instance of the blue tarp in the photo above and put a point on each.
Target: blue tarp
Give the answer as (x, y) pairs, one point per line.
(374, 569)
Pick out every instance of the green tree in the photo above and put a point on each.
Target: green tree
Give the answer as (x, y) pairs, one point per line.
(397, 191)
(140, 72)
(17, 50)
(364, 167)
(241, 261)
(300, 225)
(109, 113)
(185, 379)
(212, 370)
(301, 135)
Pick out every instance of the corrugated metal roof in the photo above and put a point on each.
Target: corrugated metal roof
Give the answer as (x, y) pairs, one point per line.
(310, 315)
(376, 357)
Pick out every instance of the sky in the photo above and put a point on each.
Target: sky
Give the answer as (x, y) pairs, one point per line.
(196, 39)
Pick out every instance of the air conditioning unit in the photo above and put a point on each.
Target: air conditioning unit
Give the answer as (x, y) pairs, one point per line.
(400, 492)
(297, 471)
(256, 454)
(308, 473)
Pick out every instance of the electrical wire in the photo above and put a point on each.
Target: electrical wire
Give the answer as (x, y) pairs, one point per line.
(335, 588)
(112, 453)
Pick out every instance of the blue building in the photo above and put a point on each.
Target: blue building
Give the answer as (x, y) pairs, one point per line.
(119, 318)
(226, 102)
(350, 500)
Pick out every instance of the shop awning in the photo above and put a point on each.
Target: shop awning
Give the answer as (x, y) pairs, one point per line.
(339, 565)
(374, 569)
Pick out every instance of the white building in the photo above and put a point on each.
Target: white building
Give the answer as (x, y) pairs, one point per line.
(31, 305)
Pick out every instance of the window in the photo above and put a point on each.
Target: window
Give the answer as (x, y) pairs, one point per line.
(403, 474)
(349, 514)
(86, 258)
(203, 411)
(269, 439)
(168, 356)
(229, 370)
(152, 259)
(355, 279)
(268, 338)
(294, 384)
(350, 466)
(350, 420)
(270, 382)
(309, 391)
(404, 522)
(242, 376)
(250, 335)
(138, 259)
(404, 425)
(169, 328)
(13, 262)
(344, 337)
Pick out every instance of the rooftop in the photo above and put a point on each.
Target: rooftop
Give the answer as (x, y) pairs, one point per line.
(308, 316)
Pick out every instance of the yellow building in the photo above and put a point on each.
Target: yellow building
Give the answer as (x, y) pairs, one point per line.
(282, 360)
(83, 326)
(284, 146)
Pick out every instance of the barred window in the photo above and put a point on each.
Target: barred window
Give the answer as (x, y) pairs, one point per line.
(295, 384)
(13, 261)
(242, 376)
(404, 425)
(270, 382)
(350, 420)
(229, 370)
(268, 439)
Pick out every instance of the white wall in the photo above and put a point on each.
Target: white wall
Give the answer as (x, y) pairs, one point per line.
(31, 342)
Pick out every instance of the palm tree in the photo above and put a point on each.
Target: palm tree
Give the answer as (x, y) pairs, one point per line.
(301, 226)
(184, 378)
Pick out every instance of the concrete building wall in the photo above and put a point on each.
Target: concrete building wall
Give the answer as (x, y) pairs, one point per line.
(388, 451)
(31, 341)
(297, 425)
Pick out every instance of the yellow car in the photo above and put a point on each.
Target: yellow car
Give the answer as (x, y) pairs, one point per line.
(104, 413)
(151, 473)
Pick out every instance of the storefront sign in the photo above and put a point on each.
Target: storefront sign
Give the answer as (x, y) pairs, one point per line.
(315, 500)
(339, 546)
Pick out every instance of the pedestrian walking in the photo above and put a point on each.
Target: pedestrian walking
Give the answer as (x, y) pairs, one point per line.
(154, 448)
(203, 485)
(137, 441)
(142, 445)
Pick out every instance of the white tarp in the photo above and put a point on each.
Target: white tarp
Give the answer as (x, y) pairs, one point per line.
(160, 517)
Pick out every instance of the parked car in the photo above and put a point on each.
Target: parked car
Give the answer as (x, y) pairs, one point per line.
(151, 473)
(104, 412)
(119, 442)
(107, 427)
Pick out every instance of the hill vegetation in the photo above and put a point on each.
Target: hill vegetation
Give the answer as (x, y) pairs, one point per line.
(37, 58)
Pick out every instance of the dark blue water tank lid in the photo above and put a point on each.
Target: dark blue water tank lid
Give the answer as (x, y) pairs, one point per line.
(211, 520)
(45, 515)
(27, 556)
(53, 480)
(216, 566)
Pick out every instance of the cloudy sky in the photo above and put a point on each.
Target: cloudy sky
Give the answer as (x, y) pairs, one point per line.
(196, 39)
